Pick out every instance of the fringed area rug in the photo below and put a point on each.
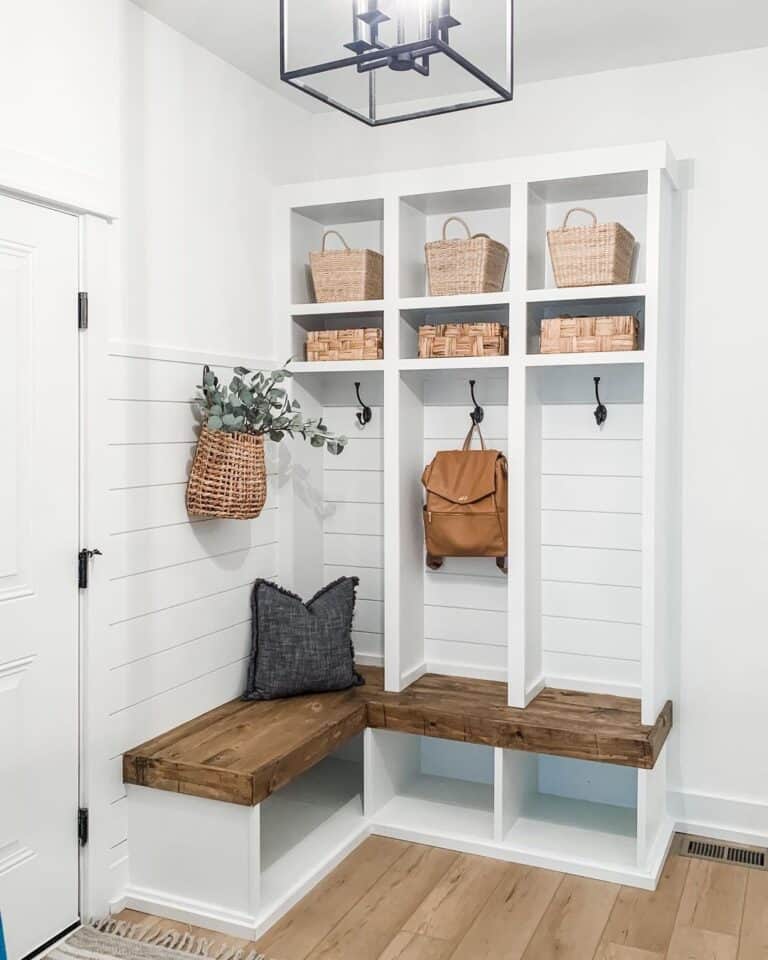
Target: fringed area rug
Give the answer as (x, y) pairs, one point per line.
(118, 940)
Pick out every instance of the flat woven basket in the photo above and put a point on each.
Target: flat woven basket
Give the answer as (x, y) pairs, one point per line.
(463, 340)
(476, 264)
(590, 256)
(589, 334)
(228, 479)
(345, 275)
(364, 343)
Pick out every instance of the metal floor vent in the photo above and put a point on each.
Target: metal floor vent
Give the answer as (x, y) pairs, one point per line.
(702, 848)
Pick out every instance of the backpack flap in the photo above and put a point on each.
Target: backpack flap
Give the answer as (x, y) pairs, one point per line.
(462, 476)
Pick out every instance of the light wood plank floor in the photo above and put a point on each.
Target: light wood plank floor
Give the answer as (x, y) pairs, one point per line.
(391, 900)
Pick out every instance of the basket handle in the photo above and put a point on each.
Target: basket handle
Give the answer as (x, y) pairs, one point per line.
(336, 234)
(579, 210)
(457, 220)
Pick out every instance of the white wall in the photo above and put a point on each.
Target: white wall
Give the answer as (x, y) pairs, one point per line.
(712, 111)
(59, 100)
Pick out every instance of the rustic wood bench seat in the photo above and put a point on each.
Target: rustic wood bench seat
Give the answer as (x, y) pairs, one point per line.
(242, 752)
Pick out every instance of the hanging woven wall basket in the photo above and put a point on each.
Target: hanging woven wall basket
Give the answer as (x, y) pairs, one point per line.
(228, 480)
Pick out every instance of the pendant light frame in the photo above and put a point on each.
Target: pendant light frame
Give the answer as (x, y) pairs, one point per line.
(363, 62)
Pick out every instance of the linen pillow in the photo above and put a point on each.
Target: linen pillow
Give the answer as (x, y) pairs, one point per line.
(302, 647)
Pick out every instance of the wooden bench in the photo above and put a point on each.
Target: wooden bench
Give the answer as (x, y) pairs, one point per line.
(300, 789)
(242, 752)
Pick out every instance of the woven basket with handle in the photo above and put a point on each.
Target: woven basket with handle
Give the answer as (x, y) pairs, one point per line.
(228, 479)
(344, 275)
(590, 256)
(476, 264)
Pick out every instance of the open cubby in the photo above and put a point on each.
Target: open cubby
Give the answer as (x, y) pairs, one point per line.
(620, 197)
(484, 209)
(338, 520)
(302, 324)
(548, 804)
(456, 618)
(360, 222)
(413, 318)
(309, 818)
(582, 307)
(585, 552)
(421, 785)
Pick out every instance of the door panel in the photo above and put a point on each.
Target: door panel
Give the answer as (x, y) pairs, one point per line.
(38, 588)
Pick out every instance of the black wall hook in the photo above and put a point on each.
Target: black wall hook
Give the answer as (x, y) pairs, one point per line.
(478, 414)
(601, 412)
(366, 414)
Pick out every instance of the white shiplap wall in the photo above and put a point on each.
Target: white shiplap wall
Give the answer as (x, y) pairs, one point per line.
(178, 637)
(353, 522)
(591, 544)
(465, 602)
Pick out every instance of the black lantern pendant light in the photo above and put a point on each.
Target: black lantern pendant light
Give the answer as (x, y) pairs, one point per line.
(383, 61)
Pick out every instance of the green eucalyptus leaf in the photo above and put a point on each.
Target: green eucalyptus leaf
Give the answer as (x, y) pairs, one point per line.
(214, 423)
(276, 435)
(228, 420)
(317, 441)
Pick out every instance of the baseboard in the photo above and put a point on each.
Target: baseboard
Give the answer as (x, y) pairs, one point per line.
(234, 923)
(722, 818)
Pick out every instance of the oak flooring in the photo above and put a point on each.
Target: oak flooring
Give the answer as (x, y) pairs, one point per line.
(392, 900)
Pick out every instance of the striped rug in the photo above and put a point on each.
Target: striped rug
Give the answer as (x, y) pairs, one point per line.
(118, 940)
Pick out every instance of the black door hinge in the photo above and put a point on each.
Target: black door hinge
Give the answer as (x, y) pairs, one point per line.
(82, 825)
(82, 566)
(82, 311)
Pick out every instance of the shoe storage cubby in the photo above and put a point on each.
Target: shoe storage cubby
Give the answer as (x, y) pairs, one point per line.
(310, 817)
(424, 787)
(588, 603)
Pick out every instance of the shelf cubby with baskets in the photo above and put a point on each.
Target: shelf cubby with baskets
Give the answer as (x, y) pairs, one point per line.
(589, 601)
(359, 222)
(424, 218)
(350, 329)
(619, 197)
(412, 319)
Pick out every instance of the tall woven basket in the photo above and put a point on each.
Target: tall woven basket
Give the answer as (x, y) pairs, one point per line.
(228, 480)
(591, 256)
(344, 275)
(476, 264)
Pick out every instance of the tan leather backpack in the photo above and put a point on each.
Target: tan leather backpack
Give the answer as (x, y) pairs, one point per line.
(466, 510)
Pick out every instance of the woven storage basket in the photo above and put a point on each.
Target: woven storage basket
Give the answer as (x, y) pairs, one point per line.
(589, 334)
(365, 343)
(589, 256)
(475, 265)
(229, 476)
(343, 275)
(463, 340)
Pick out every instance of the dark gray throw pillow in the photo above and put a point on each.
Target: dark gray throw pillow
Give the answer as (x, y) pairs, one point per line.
(302, 647)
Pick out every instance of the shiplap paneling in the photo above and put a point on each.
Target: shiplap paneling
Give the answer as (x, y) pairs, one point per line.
(465, 602)
(353, 522)
(591, 532)
(180, 590)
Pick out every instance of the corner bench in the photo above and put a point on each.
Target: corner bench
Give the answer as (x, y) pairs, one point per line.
(256, 801)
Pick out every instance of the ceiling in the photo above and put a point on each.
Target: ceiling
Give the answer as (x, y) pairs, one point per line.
(553, 38)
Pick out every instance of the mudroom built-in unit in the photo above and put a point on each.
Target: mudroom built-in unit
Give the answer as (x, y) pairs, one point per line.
(514, 707)
(589, 601)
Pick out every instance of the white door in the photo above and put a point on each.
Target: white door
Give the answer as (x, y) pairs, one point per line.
(38, 564)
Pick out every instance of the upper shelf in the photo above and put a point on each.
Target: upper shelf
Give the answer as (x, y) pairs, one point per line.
(336, 309)
(585, 359)
(610, 292)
